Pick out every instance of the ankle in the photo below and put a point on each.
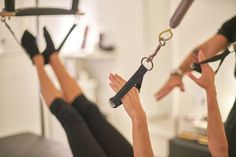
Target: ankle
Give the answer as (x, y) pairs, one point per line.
(53, 57)
(38, 60)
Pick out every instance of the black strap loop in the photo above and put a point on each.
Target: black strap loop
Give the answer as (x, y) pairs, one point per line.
(221, 57)
(64, 40)
(135, 80)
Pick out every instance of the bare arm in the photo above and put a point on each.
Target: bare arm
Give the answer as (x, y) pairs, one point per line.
(210, 47)
(217, 144)
(217, 139)
(141, 140)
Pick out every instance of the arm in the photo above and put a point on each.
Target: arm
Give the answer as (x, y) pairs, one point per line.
(217, 144)
(141, 140)
(209, 47)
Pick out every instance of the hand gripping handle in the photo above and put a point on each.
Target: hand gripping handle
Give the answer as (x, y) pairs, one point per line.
(115, 101)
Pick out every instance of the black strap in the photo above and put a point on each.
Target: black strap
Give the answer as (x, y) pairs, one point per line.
(221, 57)
(43, 11)
(135, 80)
(64, 40)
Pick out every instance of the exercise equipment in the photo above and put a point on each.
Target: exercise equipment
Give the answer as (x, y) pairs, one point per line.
(221, 57)
(10, 10)
(137, 78)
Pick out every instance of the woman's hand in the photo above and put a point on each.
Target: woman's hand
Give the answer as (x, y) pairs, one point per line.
(207, 78)
(131, 100)
(171, 83)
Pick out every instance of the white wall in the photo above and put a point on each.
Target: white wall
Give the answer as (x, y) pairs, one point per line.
(19, 93)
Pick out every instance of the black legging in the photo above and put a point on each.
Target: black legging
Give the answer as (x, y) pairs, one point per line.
(230, 130)
(88, 132)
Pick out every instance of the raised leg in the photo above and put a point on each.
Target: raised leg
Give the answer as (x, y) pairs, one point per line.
(112, 142)
(69, 85)
(48, 90)
(81, 140)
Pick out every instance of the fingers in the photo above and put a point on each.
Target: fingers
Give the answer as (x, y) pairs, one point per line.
(113, 83)
(205, 67)
(191, 76)
(162, 93)
(116, 82)
(181, 86)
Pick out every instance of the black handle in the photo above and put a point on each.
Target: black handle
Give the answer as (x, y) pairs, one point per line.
(115, 101)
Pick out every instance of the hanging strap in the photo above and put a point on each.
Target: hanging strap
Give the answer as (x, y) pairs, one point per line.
(3, 19)
(137, 78)
(221, 57)
(64, 40)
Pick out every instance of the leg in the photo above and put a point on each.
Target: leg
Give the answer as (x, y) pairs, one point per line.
(80, 138)
(112, 142)
(49, 92)
(69, 86)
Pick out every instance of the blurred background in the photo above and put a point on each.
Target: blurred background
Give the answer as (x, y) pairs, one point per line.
(130, 29)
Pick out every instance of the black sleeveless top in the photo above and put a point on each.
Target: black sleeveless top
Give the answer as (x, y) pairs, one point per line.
(228, 29)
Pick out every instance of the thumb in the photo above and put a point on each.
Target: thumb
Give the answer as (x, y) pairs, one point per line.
(181, 86)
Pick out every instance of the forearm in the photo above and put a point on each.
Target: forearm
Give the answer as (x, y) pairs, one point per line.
(210, 47)
(185, 66)
(141, 140)
(218, 145)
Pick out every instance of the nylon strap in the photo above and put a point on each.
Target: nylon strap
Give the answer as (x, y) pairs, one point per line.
(10, 30)
(221, 57)
(64, 40)
(135, 80)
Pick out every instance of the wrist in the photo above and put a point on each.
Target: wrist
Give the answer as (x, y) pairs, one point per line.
(177, 72)
(139, 118)
(211, 90)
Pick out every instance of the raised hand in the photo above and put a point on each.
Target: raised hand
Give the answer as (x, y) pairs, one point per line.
(207, 78)
(131, 100)
(172, 82)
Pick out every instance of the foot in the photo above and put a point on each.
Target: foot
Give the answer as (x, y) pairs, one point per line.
(50, 49)
(28, 42)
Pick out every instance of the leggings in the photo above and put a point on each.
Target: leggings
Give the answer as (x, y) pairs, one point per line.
(230, 130)
(88, 132)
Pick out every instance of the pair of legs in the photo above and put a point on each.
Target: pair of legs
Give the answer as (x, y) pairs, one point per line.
(88, 132)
